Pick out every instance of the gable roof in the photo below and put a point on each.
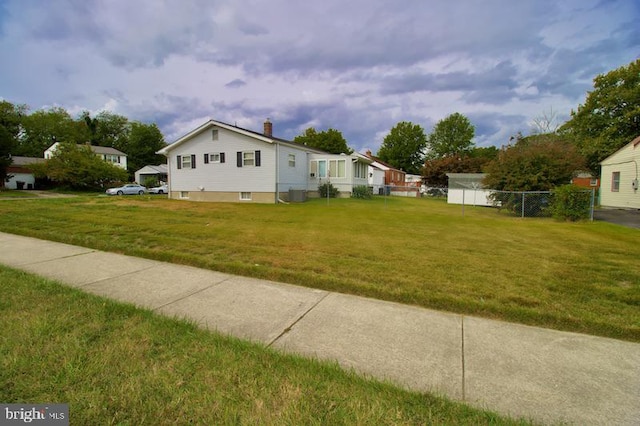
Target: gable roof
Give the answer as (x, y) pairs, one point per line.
(24, 161)
(160, 168)
(105, 150)
(380, 164)
(635, 143)
(250, 133)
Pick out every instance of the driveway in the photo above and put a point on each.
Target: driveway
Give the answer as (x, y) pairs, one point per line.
(629, 218)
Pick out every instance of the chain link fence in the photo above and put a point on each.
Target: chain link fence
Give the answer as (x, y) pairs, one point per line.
(524, 203)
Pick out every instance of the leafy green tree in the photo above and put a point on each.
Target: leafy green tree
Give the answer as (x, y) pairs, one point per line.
(403, 148)
(610, 116)
(43, 128)
(77, 166)
(451, 136)
(330, 141)
(534, 163)
(10, 119)
(112, 130)
(144, 141)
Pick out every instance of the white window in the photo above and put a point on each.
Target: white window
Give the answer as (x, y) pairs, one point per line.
(248, 158)
(337, 168)
(186, 162)
(111, 158)
(360, 170)
(245, 196)
(615, 182)
(214, 134)
(292, 160)
(214, 157)
(318, 168)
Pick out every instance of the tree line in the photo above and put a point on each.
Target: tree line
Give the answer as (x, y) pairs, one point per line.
(29, 134)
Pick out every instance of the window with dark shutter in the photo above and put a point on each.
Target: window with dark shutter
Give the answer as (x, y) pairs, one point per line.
(239, 159)
(206, 159)
(222, 157)
(193, 161)
(179, 161)
(257, 158)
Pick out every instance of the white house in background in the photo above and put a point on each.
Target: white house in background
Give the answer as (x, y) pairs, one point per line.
(619, 177)
(376, 179)
(18, 174)
(467, 188)
(221, 162)
(158, 172)
(106, 153)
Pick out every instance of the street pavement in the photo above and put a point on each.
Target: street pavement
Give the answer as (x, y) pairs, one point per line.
(544, 375)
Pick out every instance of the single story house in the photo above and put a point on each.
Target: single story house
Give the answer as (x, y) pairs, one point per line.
(468, 189)
(392, 176)
(222, 162)
(106, 153)
(19, 176)
(159, 173)
(619, 177)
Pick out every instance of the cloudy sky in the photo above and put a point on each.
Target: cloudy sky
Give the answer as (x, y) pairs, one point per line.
(359, 66)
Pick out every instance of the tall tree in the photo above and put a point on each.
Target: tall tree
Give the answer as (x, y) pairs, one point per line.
(42, 128)
(144, 141)
(403, 147)
(77, 166)
(451, 136)
(610, 116)
(330, 140)
(112, 130)
(10, 125)
(534, 163)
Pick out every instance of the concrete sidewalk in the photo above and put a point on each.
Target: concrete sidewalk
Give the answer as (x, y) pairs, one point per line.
(545, 375)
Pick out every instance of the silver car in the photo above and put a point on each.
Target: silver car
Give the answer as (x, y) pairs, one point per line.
(128, 189)
(162, 189)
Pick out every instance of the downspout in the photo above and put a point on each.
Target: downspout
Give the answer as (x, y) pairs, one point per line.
(277, 195)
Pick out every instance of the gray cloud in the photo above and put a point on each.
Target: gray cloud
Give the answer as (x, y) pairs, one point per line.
(236, 83)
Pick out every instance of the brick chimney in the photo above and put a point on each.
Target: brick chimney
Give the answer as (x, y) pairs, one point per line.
(368, 153)
(268, 128)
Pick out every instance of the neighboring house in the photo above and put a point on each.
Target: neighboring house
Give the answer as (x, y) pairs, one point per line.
(392, 177)
(19, 176)
(468, 189)
(376, 179)
(221, 162)
(586, 180)
(158, 172)
(106, 153)
(619, 177)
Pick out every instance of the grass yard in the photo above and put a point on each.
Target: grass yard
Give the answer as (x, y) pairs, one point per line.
(582, 277)
(116, 364)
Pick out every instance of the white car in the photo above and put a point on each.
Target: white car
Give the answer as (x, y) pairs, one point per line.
(128, 189)
(162, 189)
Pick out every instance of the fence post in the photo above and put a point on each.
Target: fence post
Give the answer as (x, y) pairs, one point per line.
(463, 191)
(593, 202)
(523, 198)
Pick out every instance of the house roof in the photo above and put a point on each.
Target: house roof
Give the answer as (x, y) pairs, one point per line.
(213, 123)
(633, 143)
(160, 168)
(106, 150)
(24, 161)
(380, 164)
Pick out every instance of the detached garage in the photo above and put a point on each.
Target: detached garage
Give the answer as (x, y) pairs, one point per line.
(619, 177)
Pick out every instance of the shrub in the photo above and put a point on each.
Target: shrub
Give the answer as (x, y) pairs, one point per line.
(325, 188)
(362, 191)
(571, 203)
(150, 182)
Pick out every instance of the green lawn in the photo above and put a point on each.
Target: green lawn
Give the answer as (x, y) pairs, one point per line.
(116, 364)
(582, 277)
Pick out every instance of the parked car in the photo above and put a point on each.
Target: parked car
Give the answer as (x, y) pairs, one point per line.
(162, 189)
(128, 189)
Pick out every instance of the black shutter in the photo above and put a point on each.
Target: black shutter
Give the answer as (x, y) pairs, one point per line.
(222, 157)
(257, 158)
(193, 161)
(206, 159)
(239, 157)
(179, 161)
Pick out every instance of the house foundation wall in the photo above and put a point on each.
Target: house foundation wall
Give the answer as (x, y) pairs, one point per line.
(224, 197)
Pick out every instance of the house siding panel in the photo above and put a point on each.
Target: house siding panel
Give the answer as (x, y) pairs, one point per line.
(223, 177)
(626, 162)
